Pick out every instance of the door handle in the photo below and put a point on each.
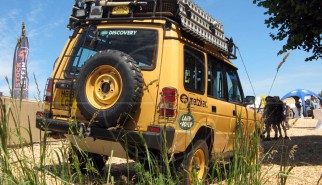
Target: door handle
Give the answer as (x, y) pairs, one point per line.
(234, 113)
(213, 108)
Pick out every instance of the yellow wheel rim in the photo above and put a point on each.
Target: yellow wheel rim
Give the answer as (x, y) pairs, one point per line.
(197, 165)
(103, 87)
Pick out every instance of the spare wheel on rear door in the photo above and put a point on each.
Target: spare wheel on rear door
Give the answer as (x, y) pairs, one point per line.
(109, 88)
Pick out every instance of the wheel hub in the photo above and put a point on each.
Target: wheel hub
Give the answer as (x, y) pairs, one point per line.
(103, 87)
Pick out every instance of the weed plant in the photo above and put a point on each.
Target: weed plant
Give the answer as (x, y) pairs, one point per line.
(22, 165)
(65, 164)
(245, 165)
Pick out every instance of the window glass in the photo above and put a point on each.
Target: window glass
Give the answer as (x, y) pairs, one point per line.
(233, 86)
(215, 78)
(140, 44)
(194, 70)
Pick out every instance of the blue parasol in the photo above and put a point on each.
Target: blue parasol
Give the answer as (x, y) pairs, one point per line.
(301, 93)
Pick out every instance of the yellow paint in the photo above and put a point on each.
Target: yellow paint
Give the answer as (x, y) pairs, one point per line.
(168, 71)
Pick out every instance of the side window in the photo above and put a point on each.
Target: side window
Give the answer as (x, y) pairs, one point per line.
(215, 78)
(233, 86)
(194, 70)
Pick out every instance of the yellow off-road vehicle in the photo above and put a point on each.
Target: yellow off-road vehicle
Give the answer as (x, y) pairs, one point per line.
(153, 73)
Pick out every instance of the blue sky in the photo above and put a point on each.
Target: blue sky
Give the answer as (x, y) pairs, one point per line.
(46, 22)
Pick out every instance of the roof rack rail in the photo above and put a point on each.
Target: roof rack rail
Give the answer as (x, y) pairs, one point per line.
(192, 18)
(201, 24)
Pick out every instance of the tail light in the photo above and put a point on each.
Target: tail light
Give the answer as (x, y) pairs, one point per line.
(168, 103)
(39, 114)
(154, 129)
(48, 90)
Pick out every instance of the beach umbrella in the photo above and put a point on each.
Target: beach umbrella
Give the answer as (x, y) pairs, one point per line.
(301, 93)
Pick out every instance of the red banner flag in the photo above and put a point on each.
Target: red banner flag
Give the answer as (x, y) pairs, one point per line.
(20, 81)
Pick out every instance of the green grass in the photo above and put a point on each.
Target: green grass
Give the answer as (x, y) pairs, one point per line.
(61, 165)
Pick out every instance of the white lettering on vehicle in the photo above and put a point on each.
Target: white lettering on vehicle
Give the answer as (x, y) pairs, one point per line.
(122, 32)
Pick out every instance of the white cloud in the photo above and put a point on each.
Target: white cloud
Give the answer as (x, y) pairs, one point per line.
(34, 14)
(33, 89)
(40, 71)
(7, 45)
(284, 82)
(5, 89)
(43, 30)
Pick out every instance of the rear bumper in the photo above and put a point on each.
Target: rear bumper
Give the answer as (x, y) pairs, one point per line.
(128, 138)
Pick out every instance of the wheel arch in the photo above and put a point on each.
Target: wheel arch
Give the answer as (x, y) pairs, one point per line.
(205, 133)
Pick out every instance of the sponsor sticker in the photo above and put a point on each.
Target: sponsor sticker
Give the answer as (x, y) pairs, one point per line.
(184, 98)
(186, 121)
(193, 101)
(119, 32)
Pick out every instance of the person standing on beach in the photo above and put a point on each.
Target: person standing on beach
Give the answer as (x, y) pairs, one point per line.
(273, 117)
(287, 115)
(298, 106)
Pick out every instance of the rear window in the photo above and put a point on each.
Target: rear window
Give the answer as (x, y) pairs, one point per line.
(194, 70)
(140, 44)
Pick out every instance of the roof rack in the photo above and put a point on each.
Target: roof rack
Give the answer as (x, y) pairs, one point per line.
(192, 18)
(201, 24)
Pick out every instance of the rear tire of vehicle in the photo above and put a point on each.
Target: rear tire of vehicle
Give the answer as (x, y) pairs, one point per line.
(81, 158)
(109, 88)
(195, 164)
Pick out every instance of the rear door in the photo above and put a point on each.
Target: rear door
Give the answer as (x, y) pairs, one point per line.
(221, 113)
(142, 43)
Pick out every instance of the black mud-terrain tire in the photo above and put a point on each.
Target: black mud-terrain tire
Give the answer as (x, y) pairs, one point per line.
(109, 88)
(83, 161)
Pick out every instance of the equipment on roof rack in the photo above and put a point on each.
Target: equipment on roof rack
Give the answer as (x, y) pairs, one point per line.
(201, 24)
(192, 18)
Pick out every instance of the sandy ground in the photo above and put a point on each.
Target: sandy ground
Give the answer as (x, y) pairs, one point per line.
(302, 151)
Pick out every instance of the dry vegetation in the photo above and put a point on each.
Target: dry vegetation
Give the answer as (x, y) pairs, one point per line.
(303, 151)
